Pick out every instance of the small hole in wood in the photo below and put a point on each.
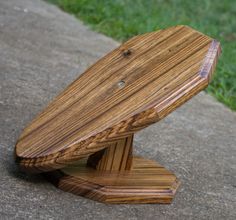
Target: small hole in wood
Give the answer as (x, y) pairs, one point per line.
(126, 53)
(121, 84)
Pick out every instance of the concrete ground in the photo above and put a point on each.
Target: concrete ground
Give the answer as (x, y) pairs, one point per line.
(42, 50)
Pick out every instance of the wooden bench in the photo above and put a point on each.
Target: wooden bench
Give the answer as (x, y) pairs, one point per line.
(83, 140)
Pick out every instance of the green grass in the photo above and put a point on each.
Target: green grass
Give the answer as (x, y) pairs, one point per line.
(122, 19)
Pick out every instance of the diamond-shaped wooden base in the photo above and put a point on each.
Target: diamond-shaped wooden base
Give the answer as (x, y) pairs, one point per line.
(146, 182)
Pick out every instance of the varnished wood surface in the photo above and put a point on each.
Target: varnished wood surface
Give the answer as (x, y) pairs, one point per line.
(132, 87)
(116, 157)
(146, 182)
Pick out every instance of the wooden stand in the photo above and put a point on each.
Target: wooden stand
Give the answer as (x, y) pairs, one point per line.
(83, 140)
(114, 175)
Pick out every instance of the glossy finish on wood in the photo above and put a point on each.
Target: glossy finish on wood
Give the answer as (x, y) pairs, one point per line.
(114, 175)
(146, 182)
(116, 157)
(132, 87)
(135, 85)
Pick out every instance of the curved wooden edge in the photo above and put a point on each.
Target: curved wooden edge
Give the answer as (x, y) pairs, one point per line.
(147, 182)
(129, 126)
(93, 144)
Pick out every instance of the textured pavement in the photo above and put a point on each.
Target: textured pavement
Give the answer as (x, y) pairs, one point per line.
(44, 49)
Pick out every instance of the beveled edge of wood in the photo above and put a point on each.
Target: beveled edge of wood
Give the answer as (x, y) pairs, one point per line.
(105, 194)
(210, 60)
(140, 120)
(109, 194)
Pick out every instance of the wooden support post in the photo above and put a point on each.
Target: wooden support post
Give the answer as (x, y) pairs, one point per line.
(116, 157)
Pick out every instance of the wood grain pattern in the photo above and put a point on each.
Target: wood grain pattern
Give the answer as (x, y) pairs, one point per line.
(116, 157)
(132, 87)
(146, 182)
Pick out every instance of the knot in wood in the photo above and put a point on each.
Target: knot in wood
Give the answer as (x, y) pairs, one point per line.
(126, 52)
